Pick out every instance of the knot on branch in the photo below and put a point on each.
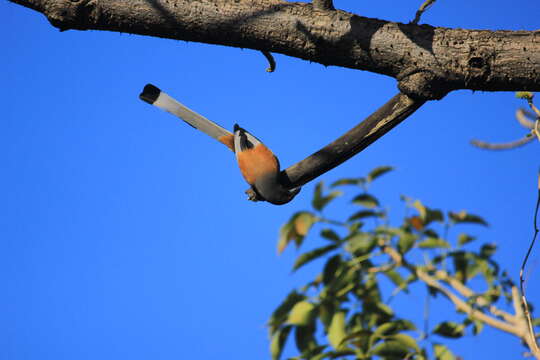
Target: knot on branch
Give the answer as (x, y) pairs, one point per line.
(73, 14)
(323, 4)
(478, 67)
(423, 85)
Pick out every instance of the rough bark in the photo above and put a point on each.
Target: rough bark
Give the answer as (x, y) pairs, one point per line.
(427, 61)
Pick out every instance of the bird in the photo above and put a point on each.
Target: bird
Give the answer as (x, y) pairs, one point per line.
(258, 164)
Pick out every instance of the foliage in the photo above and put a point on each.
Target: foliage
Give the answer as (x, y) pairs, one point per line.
(342, 313)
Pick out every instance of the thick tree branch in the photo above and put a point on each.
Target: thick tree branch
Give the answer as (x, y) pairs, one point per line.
(427, 61)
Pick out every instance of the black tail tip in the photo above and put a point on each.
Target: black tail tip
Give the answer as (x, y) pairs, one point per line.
(150, 93)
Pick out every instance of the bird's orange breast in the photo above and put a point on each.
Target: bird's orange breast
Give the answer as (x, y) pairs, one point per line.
(256, 162)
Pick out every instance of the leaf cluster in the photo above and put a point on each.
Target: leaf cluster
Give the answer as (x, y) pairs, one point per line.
(342, 312)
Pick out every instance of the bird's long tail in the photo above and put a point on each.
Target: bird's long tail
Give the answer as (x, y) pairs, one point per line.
(154, 96)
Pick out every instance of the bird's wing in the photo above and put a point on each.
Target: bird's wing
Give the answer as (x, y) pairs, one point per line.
(154, 96)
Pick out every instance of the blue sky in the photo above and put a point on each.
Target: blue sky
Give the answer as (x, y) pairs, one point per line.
(126, 234)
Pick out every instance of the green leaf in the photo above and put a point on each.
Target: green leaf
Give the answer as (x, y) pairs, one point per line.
(383, 330)
(406, 340)
(464, 217)
(358, 336)
(432, 243)
(433, 215)
(278, 342)
(361, 243)
(396, 278)
(390, 328)
(366, 200)
(403, 325)
(465, 239)
(336, 331)
(406, 242)
(355, 226)
(280, 314)
(526, 95)
(417, 204)
(478, 326)
(330, 268)
(385, 309)
(312, 255)
(347, 181)
(317, 196)
(330, 234)
(319, 201)
(301, 314)
(320, 356)
(314, 352)
(326, 312)
(442, 352)
(303, 222)
(362, 214)
(377, 172)
(449, 329)
(460, 265)
(487, 250)
(391, 349)
(426, 214)
(286, 234)
(304, 338)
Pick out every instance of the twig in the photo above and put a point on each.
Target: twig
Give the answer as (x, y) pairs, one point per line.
(518, 307)
(468, 293)
(426, 316)
(522, 115)
(534, 108)
(421, 10)
(534, 344)
(502, 146)
(466, 308)
(271, 61)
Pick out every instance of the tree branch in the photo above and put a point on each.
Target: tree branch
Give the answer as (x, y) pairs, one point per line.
(503, 146)
(425, 5)
(522, 115)
(459, 303)
(466, 308)
(468, 293)
(427, 61)
(528, 336)
(271, 61)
